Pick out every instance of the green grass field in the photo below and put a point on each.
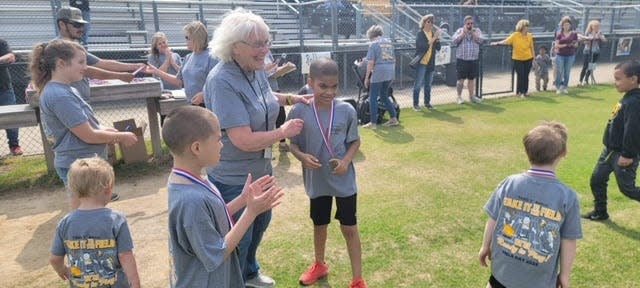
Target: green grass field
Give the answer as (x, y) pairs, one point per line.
(422, 187)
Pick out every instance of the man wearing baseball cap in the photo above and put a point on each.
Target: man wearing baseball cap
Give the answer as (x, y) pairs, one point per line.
(71, 27)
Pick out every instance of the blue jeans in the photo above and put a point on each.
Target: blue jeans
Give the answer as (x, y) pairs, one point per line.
(564, 64)
(424, 76)
(9, 98)
(380, 89)
(62, 173)
(249, 243)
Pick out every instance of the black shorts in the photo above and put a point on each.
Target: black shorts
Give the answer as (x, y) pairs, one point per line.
(320, 211)
(494, 283)
(467, 69)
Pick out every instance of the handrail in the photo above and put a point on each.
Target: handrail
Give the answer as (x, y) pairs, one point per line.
(294, 10)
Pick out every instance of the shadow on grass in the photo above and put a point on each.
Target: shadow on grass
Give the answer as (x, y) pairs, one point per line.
(491, 107)
(394, 134)
(629, 233)
(546, 98)
(442, 116)
(582, 94)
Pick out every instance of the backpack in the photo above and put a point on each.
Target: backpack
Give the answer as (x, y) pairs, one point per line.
(364, 109)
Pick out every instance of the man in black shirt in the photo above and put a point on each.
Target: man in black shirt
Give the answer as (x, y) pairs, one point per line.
(7, 97)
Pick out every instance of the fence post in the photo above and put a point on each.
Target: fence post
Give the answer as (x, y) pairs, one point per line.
(201, 9)
(54, 10)
(334, 24)
(300, 29)
(156, 22)
(394, 20)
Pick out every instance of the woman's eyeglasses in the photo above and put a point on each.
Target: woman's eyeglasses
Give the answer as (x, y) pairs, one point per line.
(258, 45)
(187, 38)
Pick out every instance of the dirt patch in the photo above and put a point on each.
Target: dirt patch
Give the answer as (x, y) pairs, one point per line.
(28, 219)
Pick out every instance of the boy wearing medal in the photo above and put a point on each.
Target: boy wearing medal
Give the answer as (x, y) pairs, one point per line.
(203, 237)
(326, 148)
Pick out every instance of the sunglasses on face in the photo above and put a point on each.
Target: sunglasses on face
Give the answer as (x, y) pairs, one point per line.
(470, 23)
(75, 24)
(187, 38)
(258, 45)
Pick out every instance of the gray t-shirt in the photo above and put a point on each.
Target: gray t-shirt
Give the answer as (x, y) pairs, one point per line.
(197, 227)
(158, 60)
(321, 182)
(62, 108)
(194, 71)
(240, 101)
(381, 51)
(533, 214)
(92, 240)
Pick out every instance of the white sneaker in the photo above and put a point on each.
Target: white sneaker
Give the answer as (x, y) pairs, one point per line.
(392, 122)
(260, 281)
(476, 99)
(370, 125)
(559, 91)
(417, 108)
(565, 91)
(460, 101)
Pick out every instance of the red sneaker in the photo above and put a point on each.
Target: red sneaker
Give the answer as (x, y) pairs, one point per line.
(16, 151)
(314, 273)
(358, 284)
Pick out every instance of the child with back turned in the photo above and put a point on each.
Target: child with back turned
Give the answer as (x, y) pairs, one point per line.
(534, 219)
(95, 239)
(203, 237)
(326, 148)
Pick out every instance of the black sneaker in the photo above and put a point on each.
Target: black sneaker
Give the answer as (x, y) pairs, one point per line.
(115, 197)
(430, 107)
(596, 215)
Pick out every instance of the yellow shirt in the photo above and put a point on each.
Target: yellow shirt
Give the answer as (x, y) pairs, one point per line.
(522, 47)
(427, 56)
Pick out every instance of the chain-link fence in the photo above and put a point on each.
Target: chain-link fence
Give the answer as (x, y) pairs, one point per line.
(122, 30)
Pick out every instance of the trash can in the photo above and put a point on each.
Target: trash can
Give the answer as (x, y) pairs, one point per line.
(451, 77)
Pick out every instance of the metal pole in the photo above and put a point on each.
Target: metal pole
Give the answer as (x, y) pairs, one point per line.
(156, 22)
(334, 24)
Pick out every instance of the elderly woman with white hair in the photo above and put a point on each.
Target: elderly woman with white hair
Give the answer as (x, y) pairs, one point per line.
(237, 90)
(381, 71)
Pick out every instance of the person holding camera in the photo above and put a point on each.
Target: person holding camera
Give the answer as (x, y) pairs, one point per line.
(468, 40)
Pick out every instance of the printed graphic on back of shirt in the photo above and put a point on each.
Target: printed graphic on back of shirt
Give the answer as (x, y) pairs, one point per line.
(92, 262)
(528, 232)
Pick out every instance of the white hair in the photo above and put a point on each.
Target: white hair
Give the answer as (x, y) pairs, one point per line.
(237, 25)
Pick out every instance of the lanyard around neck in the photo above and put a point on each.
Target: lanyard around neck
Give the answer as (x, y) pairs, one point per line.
(326, 136)
(264, 100)
(211, 188)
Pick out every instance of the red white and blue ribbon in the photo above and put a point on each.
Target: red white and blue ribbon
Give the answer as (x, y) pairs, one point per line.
(211, 188)
(326, 133)
(542, 173)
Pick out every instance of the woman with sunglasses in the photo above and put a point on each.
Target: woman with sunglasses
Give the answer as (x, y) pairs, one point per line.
(522, 54)
(197, 64)
(238, 91)
(427, 44)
